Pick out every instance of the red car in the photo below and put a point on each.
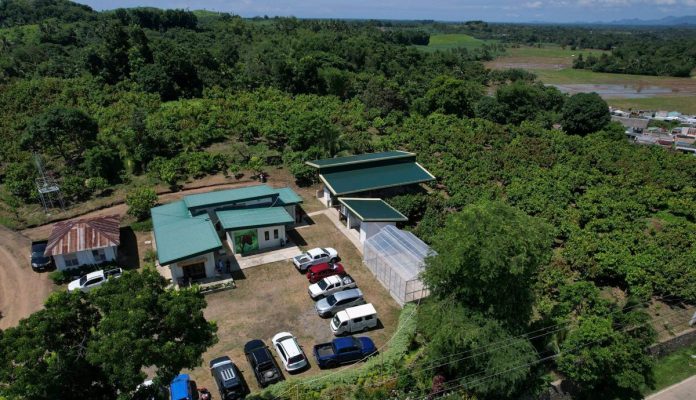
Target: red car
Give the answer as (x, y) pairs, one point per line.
(318, 272)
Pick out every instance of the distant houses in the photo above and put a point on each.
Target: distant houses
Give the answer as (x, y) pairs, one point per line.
(681, 138)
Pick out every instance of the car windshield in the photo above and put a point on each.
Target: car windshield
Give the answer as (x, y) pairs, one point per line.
(296, 359)
(83, 280)
(322, 285)
(331, 300)
(336, 321)
(37, 254)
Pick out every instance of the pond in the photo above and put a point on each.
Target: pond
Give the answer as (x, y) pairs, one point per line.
(610, 91)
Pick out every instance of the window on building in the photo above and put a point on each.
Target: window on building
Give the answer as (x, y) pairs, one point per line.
(267, 235)
(71, 260)
(275, 234)
(99, 255)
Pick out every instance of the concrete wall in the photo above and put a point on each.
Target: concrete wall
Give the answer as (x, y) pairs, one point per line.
(368, 229)
(683, 339)
(261, 236)
(327, 197)
(208, 259)
(84, 258)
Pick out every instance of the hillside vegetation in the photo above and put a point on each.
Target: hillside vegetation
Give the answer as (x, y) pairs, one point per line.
(566, 232)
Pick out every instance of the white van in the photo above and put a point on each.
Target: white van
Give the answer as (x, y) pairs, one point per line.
(354, 319)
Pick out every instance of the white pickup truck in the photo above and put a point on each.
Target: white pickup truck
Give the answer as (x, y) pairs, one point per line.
(94, 279)
(331, 284)
(315, 256)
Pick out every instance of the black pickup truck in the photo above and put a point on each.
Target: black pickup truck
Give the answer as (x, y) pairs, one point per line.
(262, 363)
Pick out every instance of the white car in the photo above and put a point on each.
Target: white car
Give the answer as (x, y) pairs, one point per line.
(94, 279)
(289, 351)
(331, 284)
(315, 256)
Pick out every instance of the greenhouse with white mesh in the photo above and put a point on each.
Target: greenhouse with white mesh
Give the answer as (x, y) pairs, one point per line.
(397, 258)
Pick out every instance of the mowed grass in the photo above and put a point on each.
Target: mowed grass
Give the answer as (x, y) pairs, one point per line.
(673, 368)
(550, 51)
(446, 41)
(683, 104)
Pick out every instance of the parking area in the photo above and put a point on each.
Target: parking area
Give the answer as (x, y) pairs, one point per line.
(273, 298)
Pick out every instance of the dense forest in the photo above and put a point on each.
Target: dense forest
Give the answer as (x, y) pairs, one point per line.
(541, 207)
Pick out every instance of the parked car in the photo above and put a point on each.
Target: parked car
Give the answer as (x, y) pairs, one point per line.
(39, 261)
(315, 256)
(343, 351)
(183, 388)
(331, 284)
(336, 302)
(321, 271)
(94, 279)
(229, 380)
(354, 319)
(291, 354)
(262, 363)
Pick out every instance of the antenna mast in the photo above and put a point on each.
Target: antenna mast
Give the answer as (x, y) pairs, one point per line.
(46, 185)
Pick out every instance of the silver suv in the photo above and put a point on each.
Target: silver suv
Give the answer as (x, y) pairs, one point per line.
(338, 301)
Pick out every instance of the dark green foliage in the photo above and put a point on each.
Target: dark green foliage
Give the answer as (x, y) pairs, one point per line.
(63, 132)
(467, 344)
(20, 178)
(103, 340)
(521, 101)
(584, 113)
(452, 96)
(487, 256)
(103, 162)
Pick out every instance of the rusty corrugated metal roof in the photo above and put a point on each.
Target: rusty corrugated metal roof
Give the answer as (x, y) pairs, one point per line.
(83, 234)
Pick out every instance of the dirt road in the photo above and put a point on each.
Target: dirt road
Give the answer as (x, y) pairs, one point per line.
(22, 291)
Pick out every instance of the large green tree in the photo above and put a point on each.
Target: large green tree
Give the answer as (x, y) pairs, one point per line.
(98, 344)
(585, 113)
(487, 257)
(63, 132)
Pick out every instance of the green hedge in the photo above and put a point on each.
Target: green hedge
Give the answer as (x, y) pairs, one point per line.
(375, 369)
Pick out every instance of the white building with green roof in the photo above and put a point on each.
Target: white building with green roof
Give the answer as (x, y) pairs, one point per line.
(189, 233)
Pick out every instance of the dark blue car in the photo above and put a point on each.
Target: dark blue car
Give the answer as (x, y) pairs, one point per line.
(344, 350)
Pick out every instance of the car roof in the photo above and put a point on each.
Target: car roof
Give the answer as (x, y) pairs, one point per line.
(226, 375)
(95, 274)
(332, 279)
(179, 387)
(315, 251)
(359, 311)
(219, 360)
(322, 266)
(290, 345)
(344, 342)
(346, 294)
(38, 246)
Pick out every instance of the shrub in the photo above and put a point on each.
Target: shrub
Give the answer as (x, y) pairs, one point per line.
(150, 256)
(142, 226)
(140, 201)
(58, 277)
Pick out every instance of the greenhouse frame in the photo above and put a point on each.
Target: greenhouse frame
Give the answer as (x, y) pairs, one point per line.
(397, 258)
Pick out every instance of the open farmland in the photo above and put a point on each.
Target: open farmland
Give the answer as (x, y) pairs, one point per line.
(448, 41)
(553, 65)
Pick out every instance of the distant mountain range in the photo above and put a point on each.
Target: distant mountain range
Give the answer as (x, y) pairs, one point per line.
(688, 20)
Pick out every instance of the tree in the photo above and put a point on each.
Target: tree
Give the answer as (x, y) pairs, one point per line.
(140, 201)
(99, 343)
(451, 330)
(606, 356)
(65, 132)
(585, 113)
(453, 96)
(103, 162)
(487, 257)
(19, 180)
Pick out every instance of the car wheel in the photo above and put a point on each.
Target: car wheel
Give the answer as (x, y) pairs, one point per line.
(333, 260)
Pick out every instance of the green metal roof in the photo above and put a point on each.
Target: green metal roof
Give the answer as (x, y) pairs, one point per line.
(228, 196)
(254, 218)
(359, 159)
(373, 178)
(180, 236)
(372, 210)
(288, 196)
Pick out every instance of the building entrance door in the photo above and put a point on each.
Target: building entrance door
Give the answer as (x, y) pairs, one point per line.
(194, 271)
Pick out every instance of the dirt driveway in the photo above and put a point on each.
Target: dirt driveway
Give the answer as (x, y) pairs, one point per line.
(22, 291)
(273, 298)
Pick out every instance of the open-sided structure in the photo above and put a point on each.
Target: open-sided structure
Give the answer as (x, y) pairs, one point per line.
(397, 258)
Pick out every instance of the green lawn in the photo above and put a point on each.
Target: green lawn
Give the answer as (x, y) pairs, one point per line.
(446, 41)
(673, 368)
(549, 51)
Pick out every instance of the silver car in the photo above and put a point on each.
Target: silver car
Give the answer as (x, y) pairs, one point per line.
(338, 301)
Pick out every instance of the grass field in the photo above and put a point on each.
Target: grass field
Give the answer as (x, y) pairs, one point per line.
(448, 41)
(673, 368)
(553, 65)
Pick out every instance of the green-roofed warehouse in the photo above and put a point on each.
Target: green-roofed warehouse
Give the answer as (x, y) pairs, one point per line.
(368, 216)
(191, 233)
(365, 175)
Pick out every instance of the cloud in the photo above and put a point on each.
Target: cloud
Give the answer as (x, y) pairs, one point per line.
(535, 4)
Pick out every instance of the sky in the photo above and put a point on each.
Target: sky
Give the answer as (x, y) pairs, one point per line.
(443, 10)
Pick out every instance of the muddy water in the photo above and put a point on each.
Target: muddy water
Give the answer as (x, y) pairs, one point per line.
(609, 91)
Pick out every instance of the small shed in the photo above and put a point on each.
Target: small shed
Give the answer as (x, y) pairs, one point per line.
(397, 258)
(368, 216)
